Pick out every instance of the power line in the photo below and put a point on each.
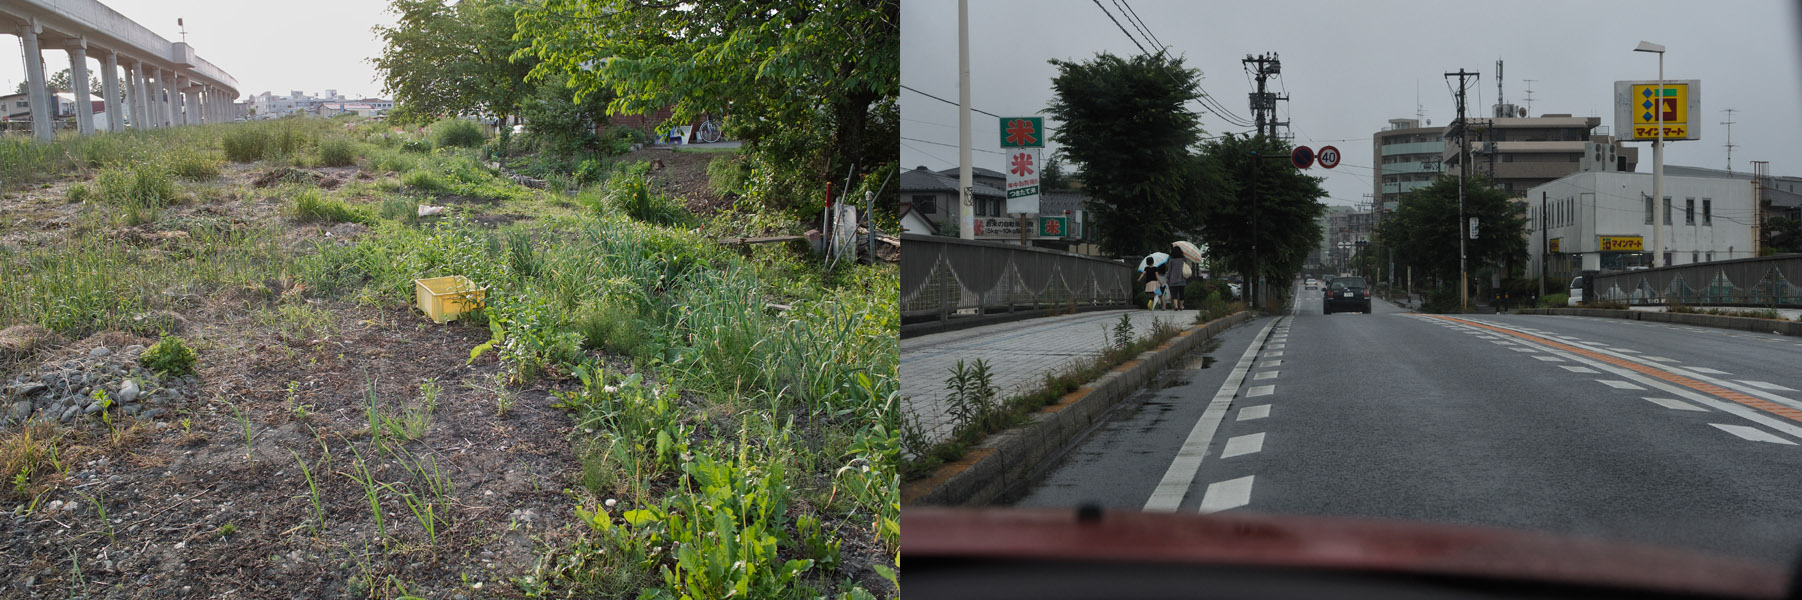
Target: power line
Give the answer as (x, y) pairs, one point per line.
(1135, 15)
(950, 145)
(1129, 35)
(1136, 25)
(1206, 101)
(972, 109)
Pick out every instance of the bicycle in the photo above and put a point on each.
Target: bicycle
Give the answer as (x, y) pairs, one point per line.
(709, 130)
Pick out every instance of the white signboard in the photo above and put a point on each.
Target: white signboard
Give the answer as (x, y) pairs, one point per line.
(1022, 180)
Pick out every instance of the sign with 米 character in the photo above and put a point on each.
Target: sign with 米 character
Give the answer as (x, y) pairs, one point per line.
(1022, 180)
(1642, 107)
(1022, 140)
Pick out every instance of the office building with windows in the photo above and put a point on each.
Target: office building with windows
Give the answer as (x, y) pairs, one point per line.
(1602, 221)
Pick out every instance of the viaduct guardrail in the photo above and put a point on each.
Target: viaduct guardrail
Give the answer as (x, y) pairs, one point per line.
(1762, 281)
(942, 277)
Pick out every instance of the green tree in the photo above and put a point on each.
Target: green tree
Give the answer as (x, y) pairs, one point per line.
(1250, 198)
(1782, 234)
(1052, 177)
(1128, 132)
(565, 126)
(810, 87)
(441, 60)
(1424, 229)
(60, 81)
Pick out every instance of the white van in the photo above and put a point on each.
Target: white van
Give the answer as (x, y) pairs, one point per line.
(1576, 291)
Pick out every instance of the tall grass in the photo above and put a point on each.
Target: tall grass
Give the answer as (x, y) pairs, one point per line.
(457, 133)
(311, 206)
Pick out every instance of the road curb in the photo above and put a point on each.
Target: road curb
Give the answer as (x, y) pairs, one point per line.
(1010, 457)
(1718, 321)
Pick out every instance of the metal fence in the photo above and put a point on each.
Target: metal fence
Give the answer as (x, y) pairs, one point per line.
(943, 276)
(1762, 281)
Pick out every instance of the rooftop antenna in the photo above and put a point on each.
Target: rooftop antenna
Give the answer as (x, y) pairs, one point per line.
(1499, 100)
(184, 30)
(1420, 110)
(1530, 94)
(1730, 144)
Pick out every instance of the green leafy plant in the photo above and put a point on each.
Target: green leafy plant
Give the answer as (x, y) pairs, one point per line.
(460, 133)
(337, 152)
(169, 356)
(971, 392)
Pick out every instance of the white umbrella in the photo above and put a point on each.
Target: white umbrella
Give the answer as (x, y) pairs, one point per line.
(1189, 251)
(1152, 260)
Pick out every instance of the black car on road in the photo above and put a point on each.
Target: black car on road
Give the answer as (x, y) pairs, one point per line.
(1346, 294)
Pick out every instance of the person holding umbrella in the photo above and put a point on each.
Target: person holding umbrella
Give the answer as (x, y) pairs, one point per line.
(1174, 277)
(1151, 271)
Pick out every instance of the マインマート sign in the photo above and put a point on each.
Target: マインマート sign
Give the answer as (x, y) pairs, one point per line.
(1641, 107)
(1620, 243)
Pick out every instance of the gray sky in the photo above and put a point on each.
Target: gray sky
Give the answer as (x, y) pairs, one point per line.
(272, 47)
(1349, 67)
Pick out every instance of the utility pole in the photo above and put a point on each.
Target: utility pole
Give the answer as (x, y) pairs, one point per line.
(1263, 102)
(1730, 144)
(966, 186)
(1460, 130)
(1545, 246)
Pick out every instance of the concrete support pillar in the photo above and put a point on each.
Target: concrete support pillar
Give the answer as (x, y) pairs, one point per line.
(153, 98)
(166, 80)
(109, 85)
(78, 79)
(43, 107)
(140, 97)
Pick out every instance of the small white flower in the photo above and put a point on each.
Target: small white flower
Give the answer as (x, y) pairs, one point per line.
(612, 503)
(610, 389)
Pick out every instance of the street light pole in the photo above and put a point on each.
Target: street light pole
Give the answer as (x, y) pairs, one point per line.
(966, 217)
(1657, 160)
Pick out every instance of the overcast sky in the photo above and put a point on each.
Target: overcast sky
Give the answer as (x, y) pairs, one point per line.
(268, 47)
(1349, 67)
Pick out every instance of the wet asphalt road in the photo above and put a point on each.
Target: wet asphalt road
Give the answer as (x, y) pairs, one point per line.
(1642, 432)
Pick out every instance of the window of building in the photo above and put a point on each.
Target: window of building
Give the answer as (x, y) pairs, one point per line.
(1667, 216)
(1710, 257)
(1708, 213)
(926, 203)
(1695, 257)
(1689, 211)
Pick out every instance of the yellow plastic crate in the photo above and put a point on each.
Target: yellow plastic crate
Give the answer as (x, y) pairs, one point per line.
(444, 298)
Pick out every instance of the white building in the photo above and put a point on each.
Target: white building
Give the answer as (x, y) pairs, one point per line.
(1603, 221)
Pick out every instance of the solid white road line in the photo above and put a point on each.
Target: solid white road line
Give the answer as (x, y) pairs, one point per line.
(1523, 349)
(1752, 433)
(1675, 404)
(1260, 390)
(1708, 371)
(1660, 359)
(1578, 369)
(1619, 385)
(1250, 413)
(1175, 484)
(1265, 375)
(1232, 493)
(1243, 444)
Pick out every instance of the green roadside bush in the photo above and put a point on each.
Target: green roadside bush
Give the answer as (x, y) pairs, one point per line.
(1554, 300)
(245, 144)
(458, 133)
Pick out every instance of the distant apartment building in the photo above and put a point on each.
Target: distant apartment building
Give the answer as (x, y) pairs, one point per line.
(16, 108)
(1519, 152)
(1408, 156)
(268, 105)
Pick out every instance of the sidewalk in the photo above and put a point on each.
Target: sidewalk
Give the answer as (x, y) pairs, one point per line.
(1019, 355)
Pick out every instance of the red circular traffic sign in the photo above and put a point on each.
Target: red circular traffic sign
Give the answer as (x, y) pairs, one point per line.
(1302, 156)
(1329, 157)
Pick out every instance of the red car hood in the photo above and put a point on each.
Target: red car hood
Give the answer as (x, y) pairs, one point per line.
(1323, 543)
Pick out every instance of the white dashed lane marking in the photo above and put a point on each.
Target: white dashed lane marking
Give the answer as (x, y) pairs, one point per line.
(1619, 385)
(1260, 390)
(1549, 358)
(1709, 371)
(1766, 386)
(1270, 363)
(1254, 412)
(1243, 444)
(1232, 493)
(1675, 404)
(1266, 375)
(1273, 354)
(1579, 369)
(1752, 433)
